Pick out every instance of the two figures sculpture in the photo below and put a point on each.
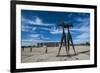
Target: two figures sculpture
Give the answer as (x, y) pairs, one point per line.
(66, 39)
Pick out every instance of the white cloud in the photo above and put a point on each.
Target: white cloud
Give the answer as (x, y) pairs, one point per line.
(78, 41)
(46, 29)
(27, 40)
(83, 36)
(46, 38)
(84, 25)
(38, 21)
(81, 29)
(25, 28)
(35, 21)
(56, 31)
(83, 19)
(34, 35)
(34, 28)
(24, 20)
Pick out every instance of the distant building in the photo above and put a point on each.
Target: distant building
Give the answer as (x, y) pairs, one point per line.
(48, 44)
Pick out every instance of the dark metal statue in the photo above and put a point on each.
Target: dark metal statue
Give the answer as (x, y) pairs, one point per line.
(64, 40)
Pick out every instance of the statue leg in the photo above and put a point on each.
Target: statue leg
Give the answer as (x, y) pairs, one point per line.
(66, 46)
(60, 45)
(68, 43)
(72, 44)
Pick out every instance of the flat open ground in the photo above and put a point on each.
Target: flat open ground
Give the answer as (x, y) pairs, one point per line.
(39, 55)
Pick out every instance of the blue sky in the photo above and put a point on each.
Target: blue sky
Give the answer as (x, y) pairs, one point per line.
(40, 26)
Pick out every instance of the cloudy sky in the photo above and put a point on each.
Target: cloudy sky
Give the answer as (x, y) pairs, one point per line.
(41, 26)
